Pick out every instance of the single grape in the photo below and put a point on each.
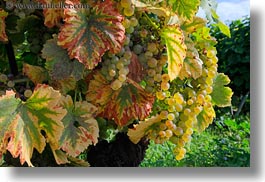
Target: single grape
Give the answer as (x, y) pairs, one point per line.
(27, 93)
(10, 83)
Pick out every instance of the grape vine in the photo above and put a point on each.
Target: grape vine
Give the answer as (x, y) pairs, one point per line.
(147, 68)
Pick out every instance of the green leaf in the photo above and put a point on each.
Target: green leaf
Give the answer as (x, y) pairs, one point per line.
(194, 25)
(221, 95)
(88, 35)
(205, 118)
(22, 123)
(186, 9)
(176, 49)
(58, 63)
(123, 105)
(81, 129)
(3, 15)
(140, 129)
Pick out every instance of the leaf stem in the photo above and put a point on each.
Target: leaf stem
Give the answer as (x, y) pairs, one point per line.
(151, 22)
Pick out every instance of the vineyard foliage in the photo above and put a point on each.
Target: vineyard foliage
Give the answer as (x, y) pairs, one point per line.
(147, 68)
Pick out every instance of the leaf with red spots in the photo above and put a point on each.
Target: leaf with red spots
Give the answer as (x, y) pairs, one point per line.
(128, 103)
(176, 49)
(3, 15)
(81, 129)
(87, 35)
(21, 123)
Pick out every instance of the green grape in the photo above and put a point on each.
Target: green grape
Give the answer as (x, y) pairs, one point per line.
(137, 49)
(186, 137)
(178, 131)
(128, 55)
(112, 72)
(126, 3)
(169, 133)
(133, 21)
(151, 72)
(178, 107)
(163, 115)
(148, 54)
(3, 78)
(129, 30)
(27, 93)
(187, 111)
(114, 60)
(160, 95)
(122, 78)
(116, 84)
(127, 41)
(189, 131)
(152, 47)
(120, 65)
(158, 77)
(171, 108)
(128, 11)
(124, 71)
(171, 116)
(10, 83)
(152, 63)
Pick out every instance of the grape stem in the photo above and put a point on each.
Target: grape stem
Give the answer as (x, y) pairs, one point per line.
(151, 22)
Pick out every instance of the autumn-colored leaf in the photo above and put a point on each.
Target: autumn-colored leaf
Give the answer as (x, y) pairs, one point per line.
(3, 15)
(136, 71)
(22, 122)
(123, 105)
(64, 85)
(140, 129)
(81, 129)
(52, 16)
(221, 95)
(36, 74)
(87, 35)
(192, 65)
(176, 49)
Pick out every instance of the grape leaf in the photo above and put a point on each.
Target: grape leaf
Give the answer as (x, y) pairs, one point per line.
(136, 71)
(3, 15)
(192, 65)
(24, 121)
(123, 105)
(52, 16)
(195, 24)
(209, 6)
(81, 129)
(64, 85)
(185, 9)
(58, 63)
(140, 129)
(176, 49)
(88, 35)
(36, 74)
(221, 95)
(205, 118)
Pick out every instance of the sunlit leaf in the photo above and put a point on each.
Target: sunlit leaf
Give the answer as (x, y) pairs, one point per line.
(221, 95)
(22, 123)
(185, 9)
(205, 118)
(192, 65)
(81, 129)
(176, 49)
(3, 15)
(195, 24)
(88, 35)
(52, 16)
(209, 6)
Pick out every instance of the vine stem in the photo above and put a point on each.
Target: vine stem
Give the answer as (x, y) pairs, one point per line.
(151, 22)
(11, 58)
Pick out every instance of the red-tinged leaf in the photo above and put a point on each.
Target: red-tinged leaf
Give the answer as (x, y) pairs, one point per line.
(176, 49)
(52, 16)
(81, 129)
(3, 15)
(140, 129)
(36, 74)
(88, 35)
(136, 71)
(22, 122)
(123, 105)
